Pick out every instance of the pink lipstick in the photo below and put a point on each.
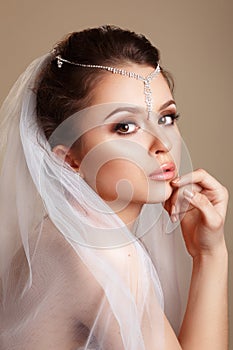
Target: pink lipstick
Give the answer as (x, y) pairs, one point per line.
(165, 172)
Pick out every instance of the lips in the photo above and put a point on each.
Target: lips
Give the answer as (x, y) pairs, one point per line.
(165, 172)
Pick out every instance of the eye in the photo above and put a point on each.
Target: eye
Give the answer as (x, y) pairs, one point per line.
(126, 128)
(168, 119)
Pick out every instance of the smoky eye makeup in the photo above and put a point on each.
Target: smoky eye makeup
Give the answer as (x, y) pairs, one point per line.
(168, 118)
(126, 127)
(125, 122)
(131, 125)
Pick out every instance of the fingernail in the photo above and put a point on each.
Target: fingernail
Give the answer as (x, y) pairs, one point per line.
(173, 209)
(174, 218)
(188, 194)
(176, 180)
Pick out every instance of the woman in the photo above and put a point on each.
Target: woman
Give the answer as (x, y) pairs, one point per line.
(91, 155)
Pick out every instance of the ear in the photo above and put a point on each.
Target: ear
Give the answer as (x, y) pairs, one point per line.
(67, 155)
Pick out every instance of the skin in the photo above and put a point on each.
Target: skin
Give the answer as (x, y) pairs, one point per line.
(205, 322)
(117, 165)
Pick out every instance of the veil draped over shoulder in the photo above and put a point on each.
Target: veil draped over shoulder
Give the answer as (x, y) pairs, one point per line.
(72, 275)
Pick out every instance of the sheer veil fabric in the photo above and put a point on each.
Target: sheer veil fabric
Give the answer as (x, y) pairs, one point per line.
(72, 275)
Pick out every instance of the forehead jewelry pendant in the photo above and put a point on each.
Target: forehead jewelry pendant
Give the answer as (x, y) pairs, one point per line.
(147, 89)
(146, 80)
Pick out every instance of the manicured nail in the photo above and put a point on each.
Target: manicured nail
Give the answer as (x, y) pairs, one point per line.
(174, 217)
(188, 194)
(176, 180)
(173, 209)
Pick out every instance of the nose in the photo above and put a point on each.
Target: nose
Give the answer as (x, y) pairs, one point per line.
(160, 143)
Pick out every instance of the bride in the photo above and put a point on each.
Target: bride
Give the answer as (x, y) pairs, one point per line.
(92, 198)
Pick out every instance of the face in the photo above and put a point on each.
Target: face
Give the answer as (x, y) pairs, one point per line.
(126, 156)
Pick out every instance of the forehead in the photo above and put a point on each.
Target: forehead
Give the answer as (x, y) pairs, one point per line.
(115, 88)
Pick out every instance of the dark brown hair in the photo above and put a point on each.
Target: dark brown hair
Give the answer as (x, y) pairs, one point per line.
(63, 91)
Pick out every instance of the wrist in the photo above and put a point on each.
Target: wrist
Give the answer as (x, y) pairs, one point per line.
(216, 248)
(218, 255)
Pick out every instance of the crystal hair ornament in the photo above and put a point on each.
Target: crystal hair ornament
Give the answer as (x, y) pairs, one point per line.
(146, 80)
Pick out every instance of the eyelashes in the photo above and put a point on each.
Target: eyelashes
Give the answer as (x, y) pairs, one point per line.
(168, 119)
(130, 127)
(125, 128)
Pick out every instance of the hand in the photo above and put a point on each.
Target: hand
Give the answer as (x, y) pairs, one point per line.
(203, 220)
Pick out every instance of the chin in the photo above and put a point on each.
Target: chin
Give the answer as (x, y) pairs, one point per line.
(160, 194)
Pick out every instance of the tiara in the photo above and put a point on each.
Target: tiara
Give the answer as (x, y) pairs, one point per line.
(146, 80)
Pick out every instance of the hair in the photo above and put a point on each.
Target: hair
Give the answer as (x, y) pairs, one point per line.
(64, 91)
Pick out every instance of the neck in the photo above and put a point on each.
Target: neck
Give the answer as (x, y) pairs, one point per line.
(129, 214)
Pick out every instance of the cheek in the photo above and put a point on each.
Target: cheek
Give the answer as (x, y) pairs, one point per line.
(119, 158)
(119, 179)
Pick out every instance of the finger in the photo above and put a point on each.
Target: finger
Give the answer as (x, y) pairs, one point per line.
(211, 218)
(178, 201)
(199, 176)
(215, 192)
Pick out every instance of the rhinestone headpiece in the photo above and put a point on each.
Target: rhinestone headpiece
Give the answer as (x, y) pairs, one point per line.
(146, 80)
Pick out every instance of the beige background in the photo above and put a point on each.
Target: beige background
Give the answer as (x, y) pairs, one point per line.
(195, 39)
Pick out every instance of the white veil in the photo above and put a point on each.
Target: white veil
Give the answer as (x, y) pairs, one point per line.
(55, 257)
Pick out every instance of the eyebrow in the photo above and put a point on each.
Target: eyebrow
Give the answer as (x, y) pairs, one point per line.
(137, 109)
(124, 109)
(167, 104)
